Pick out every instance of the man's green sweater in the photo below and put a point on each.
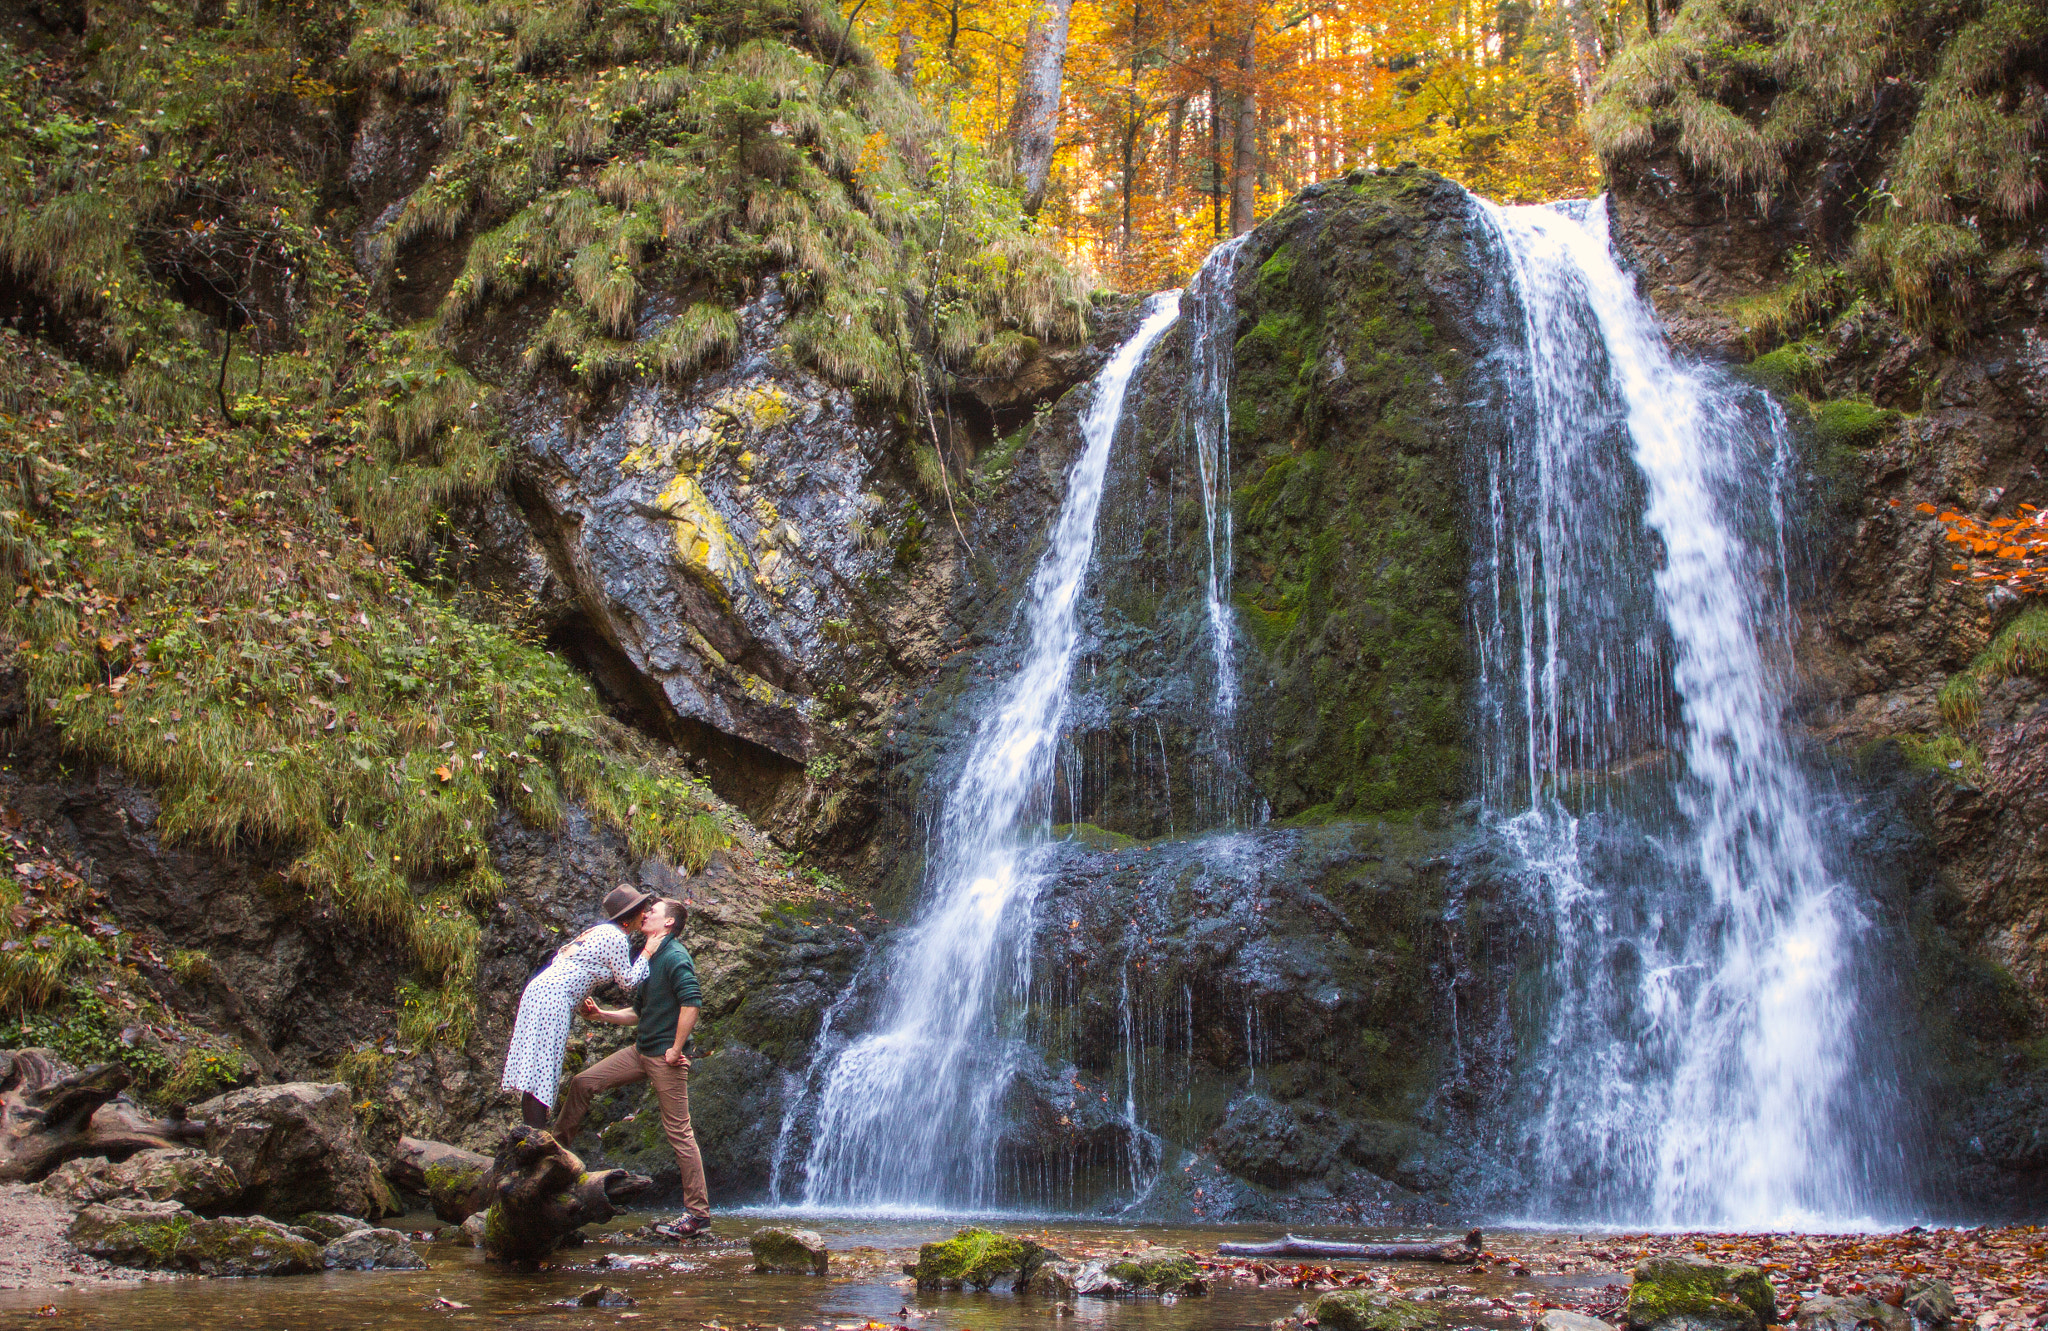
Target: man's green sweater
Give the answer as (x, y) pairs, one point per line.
(670, 986)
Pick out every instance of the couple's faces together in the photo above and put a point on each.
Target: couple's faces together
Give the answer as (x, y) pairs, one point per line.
(657, 919)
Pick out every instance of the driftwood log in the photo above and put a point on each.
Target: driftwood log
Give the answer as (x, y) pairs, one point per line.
(1325, 1250)
(537, 1192)
(50, 1114)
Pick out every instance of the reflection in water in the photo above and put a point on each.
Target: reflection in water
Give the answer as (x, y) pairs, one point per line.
(701, 1283)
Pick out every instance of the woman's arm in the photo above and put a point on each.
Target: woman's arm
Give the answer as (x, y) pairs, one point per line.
(617, 955)
(610, 1016)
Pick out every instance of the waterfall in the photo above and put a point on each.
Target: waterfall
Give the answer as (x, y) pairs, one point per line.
(908, 1113)
(1701, 1058)
(1205, 412)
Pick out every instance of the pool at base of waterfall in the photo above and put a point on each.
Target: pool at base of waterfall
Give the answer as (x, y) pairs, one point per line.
(710, 1282)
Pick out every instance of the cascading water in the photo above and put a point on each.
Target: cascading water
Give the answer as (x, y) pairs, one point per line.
(907, 1113)
(1701, 1060)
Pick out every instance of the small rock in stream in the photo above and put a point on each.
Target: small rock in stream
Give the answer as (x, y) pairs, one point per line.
(1679, 1294)
(600, 1296)
(369, 1249)
(789, 1252)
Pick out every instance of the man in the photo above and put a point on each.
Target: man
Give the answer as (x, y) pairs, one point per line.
(665, 1009)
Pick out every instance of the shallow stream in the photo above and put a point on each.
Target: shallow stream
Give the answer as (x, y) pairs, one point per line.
(711, 1282)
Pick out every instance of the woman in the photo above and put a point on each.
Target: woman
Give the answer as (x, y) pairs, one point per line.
(533, 1062)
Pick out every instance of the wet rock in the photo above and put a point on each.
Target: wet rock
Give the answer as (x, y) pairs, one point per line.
(189, 1177)
(1678, 1294)
(600, 1296)
(369, 1249)
(1826, 1313)
(447, 1175)
(162, 1236)
(1066, 1279)
(978, 1259)
(295, 1148)
(1363, 1310)
(330, 1226)
(789, 1251)
(1158, 1271)
(1563, 1319)
(471, 1235)
(1277, 1144)
(1931, 1300)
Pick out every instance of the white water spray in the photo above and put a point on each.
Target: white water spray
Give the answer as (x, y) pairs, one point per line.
(908, 1113)
(1698, 1061)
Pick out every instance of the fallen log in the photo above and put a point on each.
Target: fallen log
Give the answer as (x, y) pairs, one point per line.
(539, 1192)
(1323, 1249)
(50, 1114)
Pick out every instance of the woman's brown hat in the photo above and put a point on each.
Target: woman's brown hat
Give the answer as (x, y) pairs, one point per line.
(622, 901)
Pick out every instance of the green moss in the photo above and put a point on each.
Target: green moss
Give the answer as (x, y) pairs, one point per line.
(977, 1259)
(1157, 1270)
(1088, 834)
(1361, 1310)
(2019, 649)
(1788, 370)
(1729, 1296)
(1851, 422)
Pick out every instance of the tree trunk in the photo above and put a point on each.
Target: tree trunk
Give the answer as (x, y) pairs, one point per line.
(1034, 123)
(1389, 1252)
(1244, 162)
(906, 57)
(539, 1193)
(1176, 117)
(1584, 26)
(50, 1114)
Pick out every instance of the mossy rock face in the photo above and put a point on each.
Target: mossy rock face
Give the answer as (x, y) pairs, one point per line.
(1159, 1271)
(1364, 308)
(1362, 1310)
(1702, 1294)
(789, 1251)
(1851, 422)
(978, 1259)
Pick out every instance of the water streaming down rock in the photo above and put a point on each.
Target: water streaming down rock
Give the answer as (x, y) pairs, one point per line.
(1704, 1056)
(908, 1113)
(1212, 333)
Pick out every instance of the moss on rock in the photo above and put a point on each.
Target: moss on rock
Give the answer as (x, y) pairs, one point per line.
(1704, 1293)
(1158, 1271)
(978, 1259)
(789, 1251)
(1363, 1310)
(1349, 417)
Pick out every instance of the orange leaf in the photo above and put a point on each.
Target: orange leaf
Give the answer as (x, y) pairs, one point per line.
(1925, 508)
(443, 772)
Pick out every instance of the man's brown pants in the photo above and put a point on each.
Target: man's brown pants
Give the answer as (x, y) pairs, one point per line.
(671, 1090)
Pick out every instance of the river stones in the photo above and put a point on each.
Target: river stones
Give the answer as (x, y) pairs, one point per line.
(163, 1236)
(178, 1174)
(1931, 1300)
(368, 1249)
(1679, 1294)
(1364, 1310)
(1158, 1271)
(330, 1226)
(1066, 1279)
(789, 1252)
(978, 1259)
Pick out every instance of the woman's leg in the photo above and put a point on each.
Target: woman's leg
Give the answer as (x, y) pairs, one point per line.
(531, 1111)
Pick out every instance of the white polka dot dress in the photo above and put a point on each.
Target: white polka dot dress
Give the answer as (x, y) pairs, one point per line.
(533, 1062)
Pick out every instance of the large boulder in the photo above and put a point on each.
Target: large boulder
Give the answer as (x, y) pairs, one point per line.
(1679, 1294)
(448, 1176)
(369, 1249)
(163, 1236)
(1276, 1144)
(1066, 1279)
(1364, 1310)
(1931, 1300)
(978, 1259)
(295, 1148)
(1158, 1271)
(789, 1251)
(179, 1174)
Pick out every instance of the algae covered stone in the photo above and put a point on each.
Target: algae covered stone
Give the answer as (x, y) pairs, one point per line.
(164, 1237)
(1824, 1312)
(1363, 1310)
(789, 1251)
(978, 1259)
(1158, 1271)
(369, 1249)
(1677, 1292)
(163, 1174)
